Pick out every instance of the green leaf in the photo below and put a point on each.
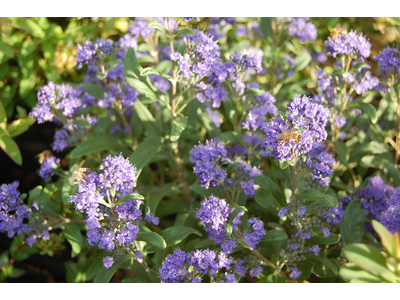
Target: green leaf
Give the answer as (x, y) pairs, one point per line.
(157, 26)
(105, 275)
(145, 152)
(7, 50)
(370, 110)
(206, 243)
(74, 237)
(3, 114)
(352, 224)
(132, 71)
(140, 271)
(28, 25)
(147, 71)
(275, 278)
(152, 238)
(128, 197)
(147, 118)
(82, 123)
(387, 239)
(359, 65)
(232, 136)
(96, 144)
(208, 124)
(207, 192)
(274, 235)
(26, 85)
(10, 147)
(93, 90)
(270, 186)
(235, 212)
(34, 194)
(266, 29)
(175, 235)
(267, 201)
(370, 259)
(317, 196)
(184, 31)
(182, 48)
(154, 197)
(342, 151)
(19, 126)
(395, 174)
(302, 61)
(330, 240)
(351, 271)
(178, 126)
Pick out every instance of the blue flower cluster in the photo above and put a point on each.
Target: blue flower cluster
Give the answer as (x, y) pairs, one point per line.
(208, 159)
(68, 135)
(390, 218)
(304, 30)
(305, 125)
(375, 198)
(389, 61)
(320, 160)
(111, 226)
(352, 44)
(53, 97)
(256, 232)
(13, 211)
(90, 52)
(191, 267)
(48, 167)
(263, 105)
(214, 214)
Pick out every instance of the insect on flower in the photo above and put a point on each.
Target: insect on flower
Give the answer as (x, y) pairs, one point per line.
(79, 173)
(288, 136)
(336, 32)
(43, 155)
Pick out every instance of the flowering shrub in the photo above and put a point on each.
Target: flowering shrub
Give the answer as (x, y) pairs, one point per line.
(223, 150)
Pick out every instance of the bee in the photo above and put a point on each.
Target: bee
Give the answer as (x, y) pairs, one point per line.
(330, 147)
(79, 173)
(336, 32)
(288, 136)
(43, 155)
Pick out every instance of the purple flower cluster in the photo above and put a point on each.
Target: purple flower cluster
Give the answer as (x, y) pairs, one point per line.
(390, 218)
(188, 19)
(53, 97)
(214, 214)
(208, 159)
(246, 62)
(367, 82)
(182, 267)
(116, 180)
(389, 61)
(305, 125)
(89, 52)
(336, 214)
(65, 137)
(352, 43)
(13, 211)
(320, 161)
(245, 174)
(139, 28)
(375, 198)
(304, 30)
(256, 232)
(48, 167)
(264, 105)
(204, 50)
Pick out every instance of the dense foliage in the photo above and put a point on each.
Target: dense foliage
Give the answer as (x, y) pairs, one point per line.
(206, 149)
